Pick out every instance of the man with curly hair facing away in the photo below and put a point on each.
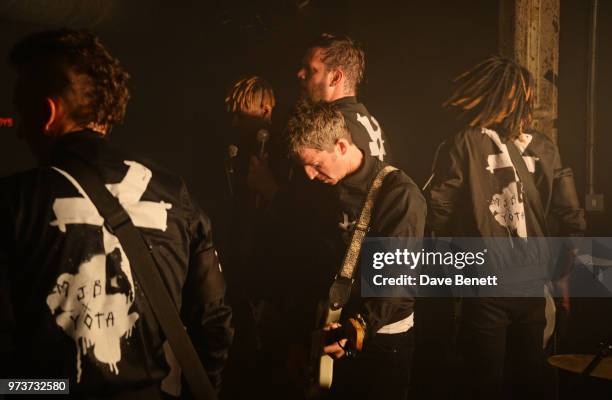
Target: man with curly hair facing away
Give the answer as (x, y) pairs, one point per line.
(70, 304)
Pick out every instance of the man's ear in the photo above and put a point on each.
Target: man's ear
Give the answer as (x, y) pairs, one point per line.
(266, 111)
(52, 110)
(336, 77)
(342, 146)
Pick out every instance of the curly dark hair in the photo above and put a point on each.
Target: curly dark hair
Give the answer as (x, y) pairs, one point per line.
(74, 65)
(342, 52)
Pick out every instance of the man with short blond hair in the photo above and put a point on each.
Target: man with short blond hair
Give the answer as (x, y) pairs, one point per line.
(332, 69)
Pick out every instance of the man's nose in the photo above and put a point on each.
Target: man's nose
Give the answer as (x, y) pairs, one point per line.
(311, 173)
(301, 74)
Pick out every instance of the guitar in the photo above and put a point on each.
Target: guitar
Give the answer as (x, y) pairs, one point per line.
(321, 364)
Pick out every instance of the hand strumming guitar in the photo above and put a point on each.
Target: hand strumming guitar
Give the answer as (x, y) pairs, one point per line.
(335, 349)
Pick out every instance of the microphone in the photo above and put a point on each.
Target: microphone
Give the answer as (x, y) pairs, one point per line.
(262, 137)
(232, 153)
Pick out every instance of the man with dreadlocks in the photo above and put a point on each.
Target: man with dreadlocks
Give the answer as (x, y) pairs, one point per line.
(476, 191)
(70, 304)
(250, 103)
(246, 245)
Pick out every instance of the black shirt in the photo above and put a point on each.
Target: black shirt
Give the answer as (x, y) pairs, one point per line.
(318, 235)
(399, 211)
(366, 132)
(476, 192)
(72, 306)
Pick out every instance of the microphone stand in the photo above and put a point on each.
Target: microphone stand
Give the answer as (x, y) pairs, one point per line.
(262, 137)
(232, 153)
(605, 349)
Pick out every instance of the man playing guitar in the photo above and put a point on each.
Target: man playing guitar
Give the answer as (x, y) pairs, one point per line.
(321, 143)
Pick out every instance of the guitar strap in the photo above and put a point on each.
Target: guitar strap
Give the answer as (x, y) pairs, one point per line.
(531, 192)
(340, 290)
(144, 267)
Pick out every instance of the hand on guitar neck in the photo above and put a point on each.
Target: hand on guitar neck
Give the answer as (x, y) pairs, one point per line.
(331, 342)
(339, 340)
(338, 344)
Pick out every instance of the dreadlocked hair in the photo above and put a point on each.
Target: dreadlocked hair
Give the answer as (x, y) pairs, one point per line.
(249, 94)
(497, 93)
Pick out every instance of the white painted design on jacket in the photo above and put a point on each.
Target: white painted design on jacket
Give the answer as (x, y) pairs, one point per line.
(502, 160)
(94, 319)
(92, 310)
(508, 207)
(345, 224)
(377, 144)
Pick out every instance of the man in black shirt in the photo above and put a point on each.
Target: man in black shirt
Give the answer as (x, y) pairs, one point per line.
(332, 69)
(250, 103)
(70, 305)
(476, 191)
(247, 239)
(324, 147)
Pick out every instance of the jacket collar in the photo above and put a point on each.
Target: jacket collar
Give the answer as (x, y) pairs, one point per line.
(84, 142)
(361, 178)
(345, 100)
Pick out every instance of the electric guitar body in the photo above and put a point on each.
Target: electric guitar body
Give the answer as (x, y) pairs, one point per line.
(321, 364)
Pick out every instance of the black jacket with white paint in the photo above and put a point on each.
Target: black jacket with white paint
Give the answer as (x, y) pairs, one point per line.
(366, 132)
(475, 192)
(71, 307)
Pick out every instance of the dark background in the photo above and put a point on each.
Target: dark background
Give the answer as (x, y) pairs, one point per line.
(183, 56)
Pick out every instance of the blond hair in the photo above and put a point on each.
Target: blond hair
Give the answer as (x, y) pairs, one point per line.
(317, 126)
(249, 95)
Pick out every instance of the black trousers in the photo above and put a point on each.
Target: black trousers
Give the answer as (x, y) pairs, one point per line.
(381, 371)
(503, 338)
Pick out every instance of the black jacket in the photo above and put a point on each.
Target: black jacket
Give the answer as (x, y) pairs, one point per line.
(366, 132)
(306, 243)
(319, 230)
(399, 211)
(73, 308)
(474, 191)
